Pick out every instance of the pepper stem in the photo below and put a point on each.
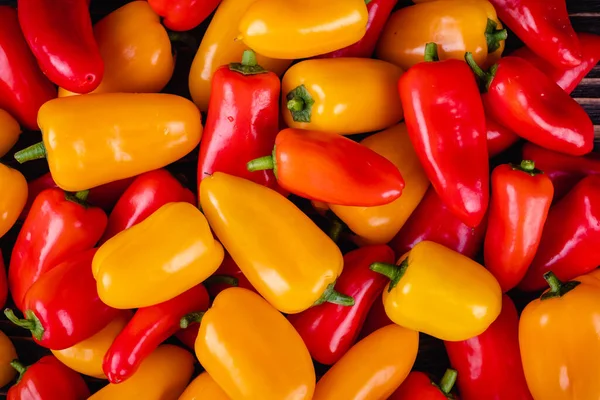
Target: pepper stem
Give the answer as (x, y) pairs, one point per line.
(528, 167)
(448, 380)
(21, 369)
(335, 229)
(30, 322)
(393, 272)
(249, 65)
(226, 279)
(484, 77)
(190, 318)
(557, 288)
(494, 36)
(367, 2)
(78, 197)
(431, 52)
(261, 164)
(33, 152)
(299, 103)
(295, 104)
(330, 295)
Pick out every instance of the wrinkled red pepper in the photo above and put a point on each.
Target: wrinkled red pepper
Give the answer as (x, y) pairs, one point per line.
(499, 138)
(3, 282)
(419, 385)
(183, 15)
(228, 268)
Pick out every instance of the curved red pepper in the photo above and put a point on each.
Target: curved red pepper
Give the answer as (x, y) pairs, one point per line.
(227, 268)
(376, 318)
(3, 282)
(329, 330)
(23, 86)
(60, 35)
(499, 138)
(418, 385)
(489, 365)
(57, 227)
(47, 379)
(570, 244)
(521, 198)
(183, 15)
(446, 124)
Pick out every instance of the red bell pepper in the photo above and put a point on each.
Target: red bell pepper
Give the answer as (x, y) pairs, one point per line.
(183, 15)
(521, 198)
(23, 86)
(228, 268)
(331, 168)
(329, 330)
(60, 35)
(47, 379)
(3, 282)
(447, 127)
(63, 307)
(242, 121)
(148, 192)
(419, 385)
(544, 26)
(148, 328)
(523, 99)
(499, 138)
(58, 225)
(570, 244)
(376, 318)
(489, 365)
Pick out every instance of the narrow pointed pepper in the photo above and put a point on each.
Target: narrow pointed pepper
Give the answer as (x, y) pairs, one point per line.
(203, 387)
(446, 122)
(183, 15)
(520, 201)
(12, 198)
(418, 385)
(9, 132)
(499, 138)
(7, 354)
(3, 283)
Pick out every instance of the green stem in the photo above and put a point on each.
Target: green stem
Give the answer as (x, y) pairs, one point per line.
(249, 65)
(226, 279)
(78, 197)
(393, 272)
(448, 381)
(367, 2)
(335, 229)
(557, 288)
(484, 77)
(494, 36)
(299, 103)
(184, 37)
(296, 104)
(330, 295)
(191, 318)
(528, 167)
(19, 367)
(431, 52)
(33, 152)
(30, 322)
(261, 164)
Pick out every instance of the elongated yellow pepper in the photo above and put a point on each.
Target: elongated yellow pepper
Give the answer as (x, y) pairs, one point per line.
(13, 197)
(9, 132)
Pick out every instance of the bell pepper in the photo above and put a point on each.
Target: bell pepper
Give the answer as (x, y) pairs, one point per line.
(86, 356)
(373, 368)
(7, 354)
(9, 132)
(146, 194)
(456, 26)
(251, 221)
(376, 319)
(23, 87)
(166, 254)
(559, 340)
(118, 146)
(499, 138)
(570, 244)
(328, 167)
(203, 387)
(302, 29)
(418, 297)
(419, 385)
(59, 33)
(183, 15)
(163, 375)
(331, 95)
(149, 327)
(329, 330)
(379, 224)
(220, 47)
(437, 109)
(519, 205)
(12, 198)
(522, 98)
(242, 121)
(3, 283)
(489, 365)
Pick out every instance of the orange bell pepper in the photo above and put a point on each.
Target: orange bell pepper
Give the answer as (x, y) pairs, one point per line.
(13, 197)
(203, 388)
(9, 132)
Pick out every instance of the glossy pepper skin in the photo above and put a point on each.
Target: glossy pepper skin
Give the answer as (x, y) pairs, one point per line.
(489, 365)
(423, 295)
(389, 352)
(57, 227)
(570, 244)
(520, 201)
(7, 354)
(59, 34)
(499, 138)
(203, 387)
(12, 198)
(9, 132)
(183, 15)
(419, 385)
(321, 95)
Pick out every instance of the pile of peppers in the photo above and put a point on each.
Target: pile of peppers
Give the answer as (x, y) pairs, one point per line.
(337, 184)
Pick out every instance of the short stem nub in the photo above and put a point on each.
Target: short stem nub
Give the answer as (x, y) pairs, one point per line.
(226, 279)
(330, 295)
(557, 288)
(295, 104)
(494, 36)
(260, 164)
(528, 167)
(249, 65)
(299, 104)
(33, 152)
(431, 52)
(19, 367)
(336, 228)
(249, 58)
(393, 272)
(190, 318)
(448, 381)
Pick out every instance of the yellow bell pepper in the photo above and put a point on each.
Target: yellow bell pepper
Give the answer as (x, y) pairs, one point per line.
(162, 376)
(373, 368)
(440, 292)
(9, 132)
(136, 51)
(96, 139)
(13, 197)
(156, 260)
(7, 354)
(378, 225)
(559, 341)
(252, 351)
(457, 26)
(220, 47)
(86, 357)
(203, 388)
(284, 255)
(293, 29)
(342, 95)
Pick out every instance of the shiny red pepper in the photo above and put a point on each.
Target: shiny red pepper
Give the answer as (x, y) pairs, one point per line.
(3, 282)
(57, 226)
(521, 198)
(230, 269)
(570, 244)
(189, 335)
(419, 385)
(489, 365)
(47, 379)
(499, 138)
(23, 86)
(60, 35)
(329, 330)
(183, 15)
(447, 127)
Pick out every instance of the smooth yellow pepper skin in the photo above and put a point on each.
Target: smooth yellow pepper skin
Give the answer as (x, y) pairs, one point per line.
(162, 376)
(96, 139)
(252, 351)
(378, 225)
(203, 388)
(161, 257)
(373, 368)
(13, 197)
(442, 293)
(457, 26)
(7, 354)
(220, 47)
(351, 95)
(9, 132)
(285, 256)
(136, 51)
(86, 357)
(292, 29)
